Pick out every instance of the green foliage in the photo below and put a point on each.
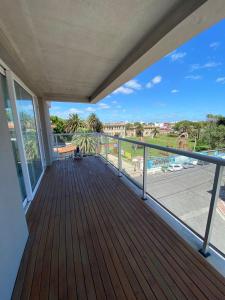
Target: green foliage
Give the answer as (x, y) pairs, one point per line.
(27, 122)
(31, 149)
(194, 129)
(139, 129)
(221, 121)
(199, 148)
(155, 132)
(74, 123)
(93, 123)
(128, 126)
(214, 136)
(213, 118)
(183, 126)
(58, 123)
(86, 142)
(171, 134)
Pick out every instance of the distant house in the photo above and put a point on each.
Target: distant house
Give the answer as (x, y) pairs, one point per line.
(120, 129)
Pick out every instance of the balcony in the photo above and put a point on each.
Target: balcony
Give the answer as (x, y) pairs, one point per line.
(88, 235)
(91, 237)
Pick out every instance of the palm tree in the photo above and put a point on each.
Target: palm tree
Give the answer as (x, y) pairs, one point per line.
(139, 129)
(85, 140)
(93, 123)
(74, 123)
(155, 131)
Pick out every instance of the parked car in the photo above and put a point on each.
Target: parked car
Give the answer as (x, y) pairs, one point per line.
(175, 167)
(188, 165)
(202, 163)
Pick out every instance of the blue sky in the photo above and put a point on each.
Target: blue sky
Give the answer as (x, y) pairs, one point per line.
(188, 83)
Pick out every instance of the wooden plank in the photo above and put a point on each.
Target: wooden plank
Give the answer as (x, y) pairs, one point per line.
(46, 264)
(28, 260)
(92, 238)
(188, 263)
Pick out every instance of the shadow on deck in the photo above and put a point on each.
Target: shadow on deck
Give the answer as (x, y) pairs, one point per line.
(91, 237)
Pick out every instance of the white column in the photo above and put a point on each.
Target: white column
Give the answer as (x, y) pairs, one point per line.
(46, 130)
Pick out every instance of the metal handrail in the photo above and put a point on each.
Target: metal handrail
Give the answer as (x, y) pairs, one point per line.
(219, 162)
(199, 156)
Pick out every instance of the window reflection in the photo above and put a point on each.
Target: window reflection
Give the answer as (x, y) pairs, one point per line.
(12, 132)
(26, 112)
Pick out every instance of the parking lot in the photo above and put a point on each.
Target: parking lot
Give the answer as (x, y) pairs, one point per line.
(187, 195)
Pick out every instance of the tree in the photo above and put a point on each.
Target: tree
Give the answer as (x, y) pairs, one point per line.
(74, 123)
(184, 126)
(221, 121)
(128, 126)
(139, 129)
(155, 131)
(58, 124)
(213, 118)
(93, 123)
(86, 141)
(27, 121)
(214, 136)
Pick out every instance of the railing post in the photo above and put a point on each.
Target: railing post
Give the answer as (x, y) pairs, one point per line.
(145, 166)
(119, 159)
(56, 139)
(106, 149)
(97, 145)
(212, 209)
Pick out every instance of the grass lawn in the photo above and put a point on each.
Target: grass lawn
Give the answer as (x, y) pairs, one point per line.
(162, 140)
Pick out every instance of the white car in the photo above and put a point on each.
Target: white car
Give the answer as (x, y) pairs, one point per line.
(188, 165)
(175, 167)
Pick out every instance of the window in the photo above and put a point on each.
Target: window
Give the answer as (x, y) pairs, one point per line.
(26, 112)
(12, 132)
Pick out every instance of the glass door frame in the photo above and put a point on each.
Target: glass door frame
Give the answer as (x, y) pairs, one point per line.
(11, 78)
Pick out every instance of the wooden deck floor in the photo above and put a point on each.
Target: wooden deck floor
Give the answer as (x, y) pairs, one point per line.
(91, 237)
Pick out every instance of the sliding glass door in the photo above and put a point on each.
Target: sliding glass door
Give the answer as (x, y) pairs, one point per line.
(27, 118)
(25, 135)
(12, 132)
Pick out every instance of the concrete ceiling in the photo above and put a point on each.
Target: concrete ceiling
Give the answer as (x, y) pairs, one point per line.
(81, 50)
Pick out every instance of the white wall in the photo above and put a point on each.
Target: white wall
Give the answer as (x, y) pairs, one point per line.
(13, 227)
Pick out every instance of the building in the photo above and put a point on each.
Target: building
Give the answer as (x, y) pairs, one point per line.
(74, 229)
(117, 128)
(121, 129)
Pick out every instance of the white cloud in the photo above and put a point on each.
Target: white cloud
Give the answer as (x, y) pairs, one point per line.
(214, 45)
(155, 80)
(221, 80)
(128, 87)
(123, 90)
(177, 55)
(174, 91)
(66, 113)
(74, 111)
(193, 77)
(133, 84)
(118, 106)
(114, 102)
(208, 65)
(104, 106)
(90, 109)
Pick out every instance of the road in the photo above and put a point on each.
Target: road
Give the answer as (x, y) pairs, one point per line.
(187, 194)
